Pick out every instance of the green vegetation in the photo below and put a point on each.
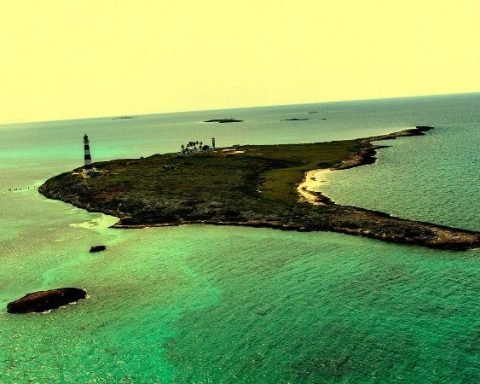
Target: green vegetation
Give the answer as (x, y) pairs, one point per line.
(280, 183)
(245, 176)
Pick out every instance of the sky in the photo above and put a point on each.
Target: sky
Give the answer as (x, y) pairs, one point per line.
(66, 59)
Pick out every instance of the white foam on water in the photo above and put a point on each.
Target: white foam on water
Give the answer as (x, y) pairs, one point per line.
(102, 222)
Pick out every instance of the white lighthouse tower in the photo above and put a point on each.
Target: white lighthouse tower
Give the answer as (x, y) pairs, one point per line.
(86, 154)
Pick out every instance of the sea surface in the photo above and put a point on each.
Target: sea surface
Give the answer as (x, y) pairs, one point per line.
(206, 304)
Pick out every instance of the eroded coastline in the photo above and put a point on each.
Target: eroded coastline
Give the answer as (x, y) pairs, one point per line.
(254, 187)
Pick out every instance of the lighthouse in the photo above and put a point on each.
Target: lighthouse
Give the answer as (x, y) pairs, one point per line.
(86, 153)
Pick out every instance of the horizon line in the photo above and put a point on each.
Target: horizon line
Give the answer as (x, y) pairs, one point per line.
(237, 108)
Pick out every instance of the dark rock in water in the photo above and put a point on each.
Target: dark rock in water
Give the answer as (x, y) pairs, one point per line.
(296, 119)
(42, 301)
(98, 248)
(222, 121)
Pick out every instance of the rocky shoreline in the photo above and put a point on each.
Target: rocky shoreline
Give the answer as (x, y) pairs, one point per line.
(250, 188)
(415, 232)
(365, 156)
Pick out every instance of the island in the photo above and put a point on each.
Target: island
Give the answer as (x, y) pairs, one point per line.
(223, 121)
(249, 185)
(43, 301)
(122, 118)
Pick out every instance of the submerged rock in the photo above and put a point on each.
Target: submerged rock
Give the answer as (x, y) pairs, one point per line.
(97, 248)
(42, 301)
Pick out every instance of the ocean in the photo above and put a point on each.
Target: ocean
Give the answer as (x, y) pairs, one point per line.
(207, 304)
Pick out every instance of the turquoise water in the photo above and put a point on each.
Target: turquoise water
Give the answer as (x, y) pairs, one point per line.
(205, 304)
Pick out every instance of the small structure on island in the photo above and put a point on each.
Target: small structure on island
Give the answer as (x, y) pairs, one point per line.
(213, 143)
(88, 169)
(86, 154)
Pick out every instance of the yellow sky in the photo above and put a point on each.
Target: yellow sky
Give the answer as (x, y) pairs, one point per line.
(67, 59)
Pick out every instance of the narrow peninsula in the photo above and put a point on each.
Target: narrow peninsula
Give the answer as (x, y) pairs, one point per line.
(251, 185)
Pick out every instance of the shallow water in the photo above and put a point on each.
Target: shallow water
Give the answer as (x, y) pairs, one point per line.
(205, 304)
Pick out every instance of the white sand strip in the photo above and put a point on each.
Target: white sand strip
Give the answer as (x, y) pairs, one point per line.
(313, 180)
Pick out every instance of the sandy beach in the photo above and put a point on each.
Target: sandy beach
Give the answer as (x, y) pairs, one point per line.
(307, 188)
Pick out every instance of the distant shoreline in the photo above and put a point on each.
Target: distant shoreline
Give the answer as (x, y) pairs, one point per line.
(257, 186)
